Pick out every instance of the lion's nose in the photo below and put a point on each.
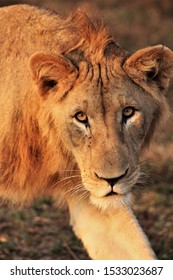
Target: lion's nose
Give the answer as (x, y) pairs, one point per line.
(113, 181)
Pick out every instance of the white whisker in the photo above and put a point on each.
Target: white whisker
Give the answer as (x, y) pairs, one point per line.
(65, 179)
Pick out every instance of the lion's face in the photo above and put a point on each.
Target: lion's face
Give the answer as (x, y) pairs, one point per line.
(105, 123)
(104, 118)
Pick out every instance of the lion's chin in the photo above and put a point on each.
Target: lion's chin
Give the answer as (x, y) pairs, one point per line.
(112, 202)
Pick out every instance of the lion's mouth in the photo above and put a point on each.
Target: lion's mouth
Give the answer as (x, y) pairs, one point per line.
(112, 193)
(111, 200)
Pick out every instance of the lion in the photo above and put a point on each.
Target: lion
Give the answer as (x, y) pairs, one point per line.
(76, 112)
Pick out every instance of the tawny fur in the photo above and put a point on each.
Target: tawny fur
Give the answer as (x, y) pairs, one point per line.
(49, 65)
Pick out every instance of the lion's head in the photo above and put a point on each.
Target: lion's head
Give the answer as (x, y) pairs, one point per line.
(105, 105)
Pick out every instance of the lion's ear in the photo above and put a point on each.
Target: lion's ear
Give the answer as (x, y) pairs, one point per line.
(52, 72)
(151, 68)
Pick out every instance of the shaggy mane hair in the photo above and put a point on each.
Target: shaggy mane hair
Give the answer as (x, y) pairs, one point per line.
(89, 34)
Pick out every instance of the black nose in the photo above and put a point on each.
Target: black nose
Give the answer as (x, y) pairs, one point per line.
(113, 181)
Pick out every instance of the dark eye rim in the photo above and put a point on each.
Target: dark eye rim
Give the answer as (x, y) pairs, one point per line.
(130, 115)
(85, 121)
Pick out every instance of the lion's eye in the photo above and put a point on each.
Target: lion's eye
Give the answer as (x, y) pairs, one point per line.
(81, 117)
(128, 112)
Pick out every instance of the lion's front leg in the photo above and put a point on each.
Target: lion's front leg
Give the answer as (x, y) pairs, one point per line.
(113, 234)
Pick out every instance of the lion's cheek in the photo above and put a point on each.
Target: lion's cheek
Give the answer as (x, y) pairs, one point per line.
(79, 144)
(74, 136)
(135, 133)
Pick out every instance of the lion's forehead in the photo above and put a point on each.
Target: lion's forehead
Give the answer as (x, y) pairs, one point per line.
(103, 90)
(105, 72)
(102, 83)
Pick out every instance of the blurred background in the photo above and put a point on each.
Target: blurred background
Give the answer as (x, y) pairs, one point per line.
(42, 231)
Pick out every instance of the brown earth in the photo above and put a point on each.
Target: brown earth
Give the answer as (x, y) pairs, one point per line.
(42, 231)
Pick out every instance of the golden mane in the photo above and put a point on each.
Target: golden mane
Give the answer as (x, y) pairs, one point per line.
(87, 33)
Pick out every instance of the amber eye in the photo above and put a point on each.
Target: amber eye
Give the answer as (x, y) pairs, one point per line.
(128, 112)
(81, 117)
